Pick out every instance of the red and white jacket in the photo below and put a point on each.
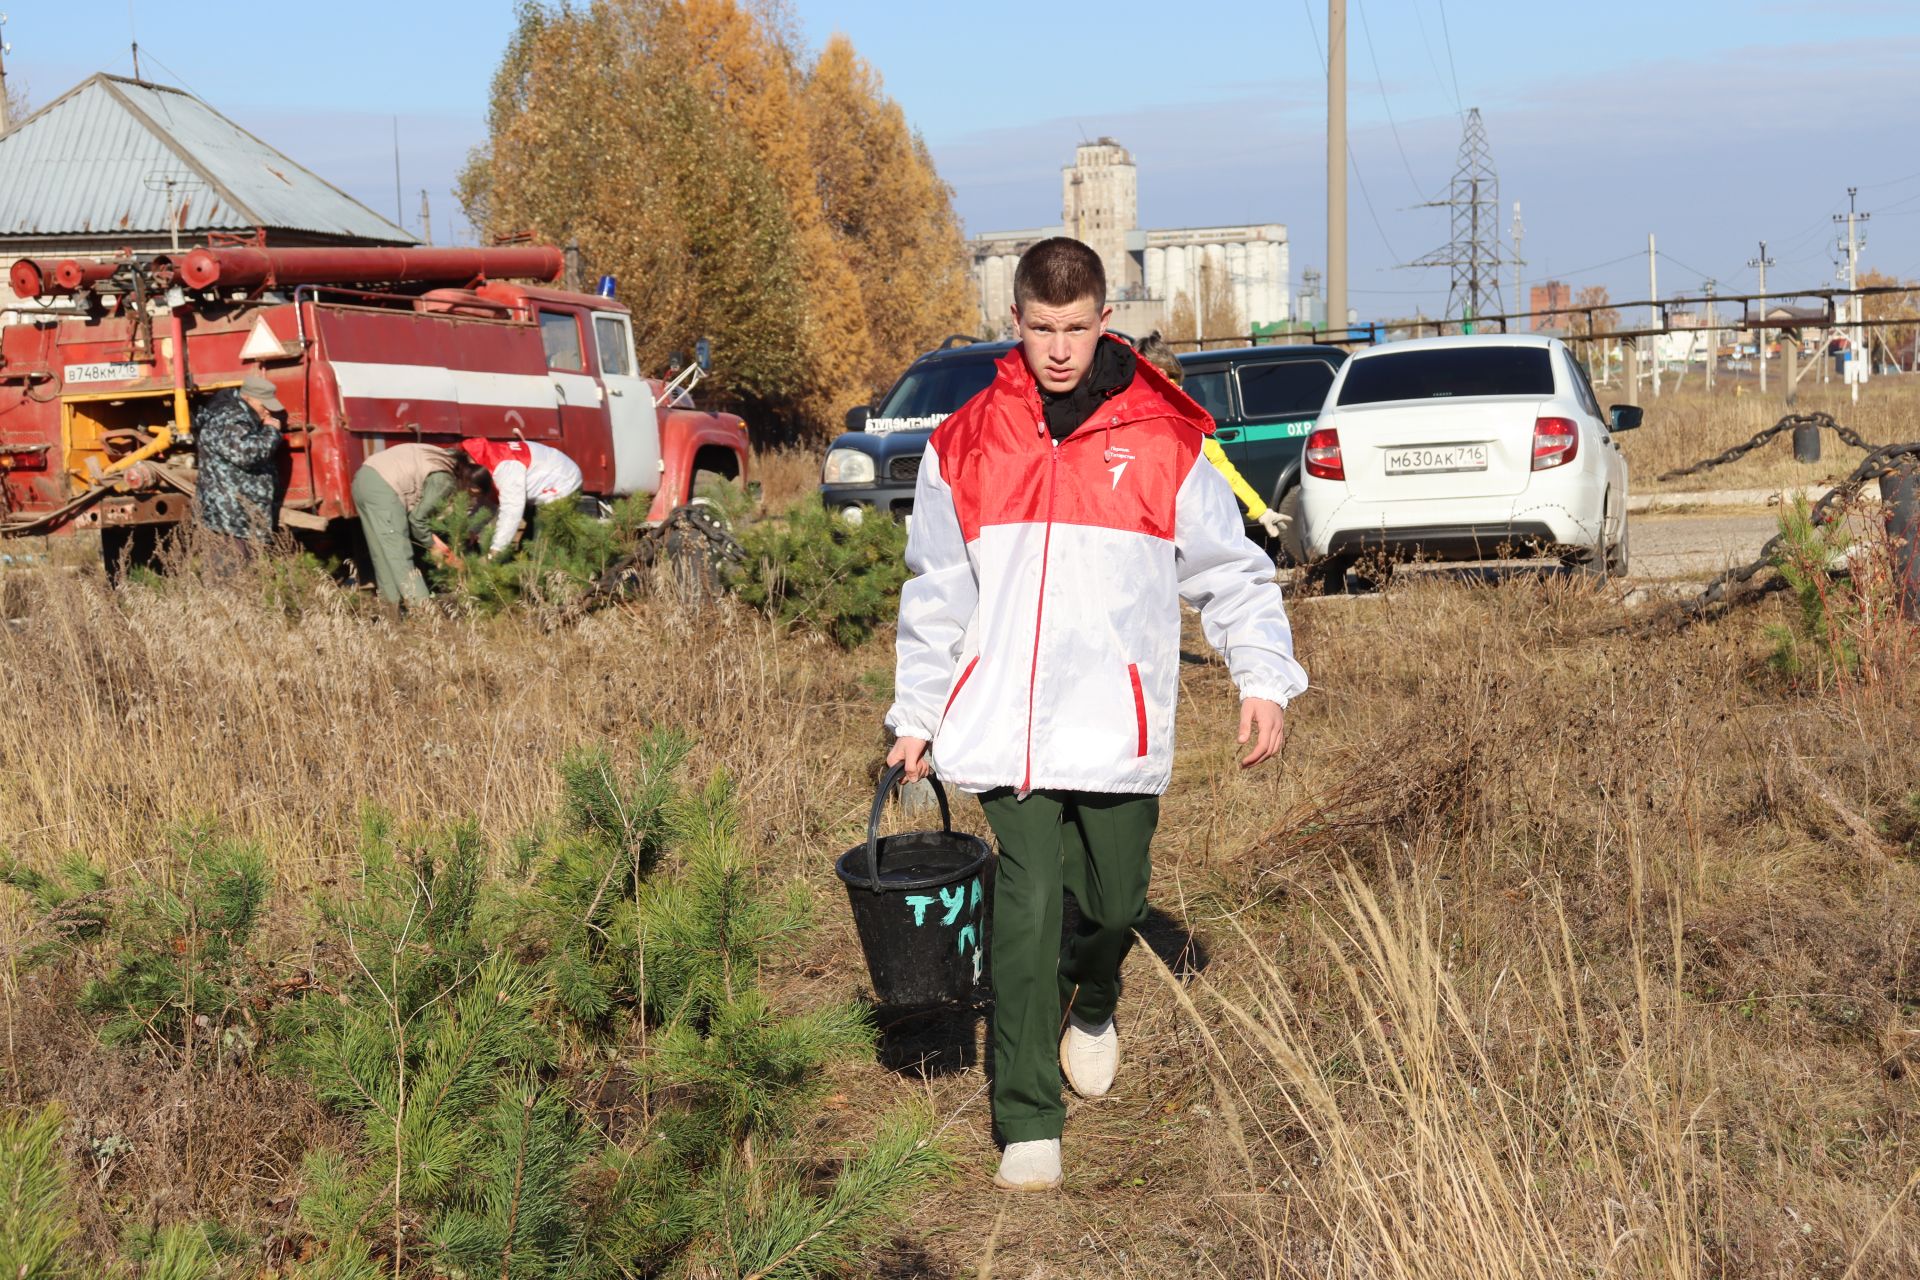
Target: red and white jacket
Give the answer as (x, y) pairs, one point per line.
(523, 471)
(1039, 643)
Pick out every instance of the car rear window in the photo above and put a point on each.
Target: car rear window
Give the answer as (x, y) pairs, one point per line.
(1284, 389)
(1447, 373)
(937, 388)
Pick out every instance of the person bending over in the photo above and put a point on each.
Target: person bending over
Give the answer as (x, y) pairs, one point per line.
(396, 492)
(523, 472)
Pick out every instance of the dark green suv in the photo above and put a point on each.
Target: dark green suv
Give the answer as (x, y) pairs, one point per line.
(1264, 401)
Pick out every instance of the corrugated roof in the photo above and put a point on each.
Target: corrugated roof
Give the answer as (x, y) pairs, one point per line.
(97, 159)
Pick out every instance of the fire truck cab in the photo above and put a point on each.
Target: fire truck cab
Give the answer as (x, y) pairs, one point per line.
(366, 348)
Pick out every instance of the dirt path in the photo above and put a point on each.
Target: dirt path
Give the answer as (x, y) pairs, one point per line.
(1697, 546)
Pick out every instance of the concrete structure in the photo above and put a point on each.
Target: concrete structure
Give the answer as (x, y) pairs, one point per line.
(1100, 204)
(1146, 270)
(1310, 307)
(119, 164)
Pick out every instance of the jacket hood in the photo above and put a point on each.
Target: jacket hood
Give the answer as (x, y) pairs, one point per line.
(1152, 394)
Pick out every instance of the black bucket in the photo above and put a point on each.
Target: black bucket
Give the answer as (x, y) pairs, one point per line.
(919, 903)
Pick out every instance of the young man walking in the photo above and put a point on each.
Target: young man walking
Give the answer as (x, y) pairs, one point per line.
(1061, 517)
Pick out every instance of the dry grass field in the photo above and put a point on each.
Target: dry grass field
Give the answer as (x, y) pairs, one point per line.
(1555, 946)
(1684, 426)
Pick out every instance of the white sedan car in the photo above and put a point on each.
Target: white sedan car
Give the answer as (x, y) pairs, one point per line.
(1470, 448)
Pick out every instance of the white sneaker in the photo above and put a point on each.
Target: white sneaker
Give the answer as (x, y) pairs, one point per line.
(1089, 1055)
(1030, 1166)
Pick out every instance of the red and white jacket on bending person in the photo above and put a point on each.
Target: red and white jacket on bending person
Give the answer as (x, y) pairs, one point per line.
(1039, 642)
(522, 472)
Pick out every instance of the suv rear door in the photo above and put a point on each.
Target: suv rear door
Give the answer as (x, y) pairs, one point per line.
(1279, 399)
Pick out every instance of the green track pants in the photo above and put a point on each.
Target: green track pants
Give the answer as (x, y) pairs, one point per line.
(383, 522)
(1097, 846)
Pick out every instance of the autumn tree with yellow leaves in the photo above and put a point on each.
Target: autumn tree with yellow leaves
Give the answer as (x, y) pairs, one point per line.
(888, 210)
(783, 208)
(1894, 339)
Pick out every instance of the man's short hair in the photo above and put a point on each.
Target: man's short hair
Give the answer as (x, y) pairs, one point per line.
(1058, 272)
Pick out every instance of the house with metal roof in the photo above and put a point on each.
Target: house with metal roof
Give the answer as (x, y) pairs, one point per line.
(119, 164)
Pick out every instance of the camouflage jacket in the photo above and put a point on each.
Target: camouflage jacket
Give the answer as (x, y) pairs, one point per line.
(236, 458)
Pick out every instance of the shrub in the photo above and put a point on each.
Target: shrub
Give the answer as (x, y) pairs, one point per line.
(462, 1009)
(580, 913)
(1847, 623)
(814, 570)
(562, 551)
(179, 972)
(1814, 640)
(71, 900)
(37, 1223)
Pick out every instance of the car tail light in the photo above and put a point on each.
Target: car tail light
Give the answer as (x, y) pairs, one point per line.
(1323, 455)
(1555, 442)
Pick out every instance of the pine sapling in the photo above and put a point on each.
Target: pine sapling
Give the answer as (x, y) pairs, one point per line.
(37, 1220)
(179, 940)
(1805, 560)
(71, 900)
(580, 913)
(812, 570)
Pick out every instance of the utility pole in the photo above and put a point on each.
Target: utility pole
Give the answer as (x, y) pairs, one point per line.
(6, 120)
(1337, 165)
(1519, 302)
(1713, 338)
(1760, 333)
(426, 218)
(1653, 295)
(1855, 311)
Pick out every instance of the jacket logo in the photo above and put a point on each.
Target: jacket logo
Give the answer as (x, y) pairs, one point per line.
(1118, 472)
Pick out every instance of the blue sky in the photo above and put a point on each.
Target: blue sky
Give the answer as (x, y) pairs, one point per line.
(1713, 123)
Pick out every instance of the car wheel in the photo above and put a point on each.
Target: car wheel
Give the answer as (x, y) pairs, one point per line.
(1598, 562)
(1324, 578)
(1293, 543)
(1619, 560)
(1374, 572)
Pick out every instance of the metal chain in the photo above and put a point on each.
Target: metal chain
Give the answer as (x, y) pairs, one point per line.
(1788, 423)
(1884, 460)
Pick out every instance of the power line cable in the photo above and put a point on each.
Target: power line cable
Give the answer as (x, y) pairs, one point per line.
(1891, 182)
(1580, 271)
(1352, 159)
(1447, 35)
(1426, 42)
(1903, 200)
(1704, 275)
(1373, 54)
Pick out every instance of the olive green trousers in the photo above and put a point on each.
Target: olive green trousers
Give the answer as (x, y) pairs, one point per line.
(383, 522)
(1097, 846)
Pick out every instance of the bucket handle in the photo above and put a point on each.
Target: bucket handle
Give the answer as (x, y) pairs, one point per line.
(888, 781)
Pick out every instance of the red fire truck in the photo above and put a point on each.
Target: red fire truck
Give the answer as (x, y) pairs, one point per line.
(101, 369)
